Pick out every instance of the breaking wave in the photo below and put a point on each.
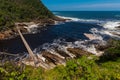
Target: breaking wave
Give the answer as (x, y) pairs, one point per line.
(111, 25)
(108, 29)
(61, 44)
(111, 28)
(80, 20)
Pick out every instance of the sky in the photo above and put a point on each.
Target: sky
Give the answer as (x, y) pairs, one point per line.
(82, 5)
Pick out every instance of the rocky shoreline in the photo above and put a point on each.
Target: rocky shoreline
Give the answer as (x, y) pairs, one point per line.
(46, 59)
(27, 27)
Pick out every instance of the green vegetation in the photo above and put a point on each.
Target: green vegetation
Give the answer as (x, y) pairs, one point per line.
(12, 11)
(77, 69)
(83, 68)
(112, 52)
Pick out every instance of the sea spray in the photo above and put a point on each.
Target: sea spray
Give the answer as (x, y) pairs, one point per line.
(111, 25)
(111, 28)
(62, 45)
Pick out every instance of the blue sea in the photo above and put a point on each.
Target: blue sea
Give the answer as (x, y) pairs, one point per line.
(102, 24)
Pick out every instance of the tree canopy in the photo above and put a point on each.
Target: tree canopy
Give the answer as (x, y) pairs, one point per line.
(12, 11)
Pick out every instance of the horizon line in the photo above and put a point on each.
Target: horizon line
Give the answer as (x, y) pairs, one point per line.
(84, 10)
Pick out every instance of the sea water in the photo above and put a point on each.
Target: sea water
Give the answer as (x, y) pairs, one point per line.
(70, 33)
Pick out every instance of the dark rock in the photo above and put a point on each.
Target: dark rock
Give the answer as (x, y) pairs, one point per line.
(78, 52)
(53, 58)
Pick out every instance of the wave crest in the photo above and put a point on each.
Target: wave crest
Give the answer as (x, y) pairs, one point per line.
(80, 20)
(111, 24)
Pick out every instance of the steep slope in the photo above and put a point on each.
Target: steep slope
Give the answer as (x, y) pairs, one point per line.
(12, 11)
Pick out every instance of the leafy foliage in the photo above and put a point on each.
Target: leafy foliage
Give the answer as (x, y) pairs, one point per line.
(112, 52)
(11, 72)
(83, 68)
(12, 11)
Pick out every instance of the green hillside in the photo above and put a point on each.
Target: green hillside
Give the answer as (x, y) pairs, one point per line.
(12, 11)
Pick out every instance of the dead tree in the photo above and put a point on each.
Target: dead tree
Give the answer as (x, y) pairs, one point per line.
(31, 54)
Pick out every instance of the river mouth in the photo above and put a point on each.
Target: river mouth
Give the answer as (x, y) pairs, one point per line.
(66, 35)
(69, 31)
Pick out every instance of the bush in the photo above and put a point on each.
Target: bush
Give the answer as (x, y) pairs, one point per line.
(84, 68)
(112, 52)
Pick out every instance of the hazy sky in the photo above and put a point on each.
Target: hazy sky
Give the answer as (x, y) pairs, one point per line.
(86, 5)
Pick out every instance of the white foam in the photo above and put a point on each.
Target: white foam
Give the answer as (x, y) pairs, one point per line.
(63, 45)
(32, 28)
(91, 49)
(111, 24)
(110, 28)
(96, 33)
(80, 20)
(100, 34)
(70, 18)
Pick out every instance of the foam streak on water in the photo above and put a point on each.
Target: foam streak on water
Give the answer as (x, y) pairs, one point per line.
(100, 25)
(62, 45)
(110, 29)
(80, 20)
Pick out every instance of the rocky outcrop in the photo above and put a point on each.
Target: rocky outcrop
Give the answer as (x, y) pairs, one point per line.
(26, 27)
(78, 52)
(11, 33)
(90, 36)
(48, 60)
(6, 34)
(27, 14)
(118, 26)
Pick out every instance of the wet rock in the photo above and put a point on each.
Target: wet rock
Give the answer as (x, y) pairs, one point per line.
(78, 52)
(60, 19)
(118, 27)
(90, 36)
(62, 53)
(2, 36)
(53, 58)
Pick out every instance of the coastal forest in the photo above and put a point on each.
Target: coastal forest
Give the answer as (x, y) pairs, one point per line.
(86, 67)
(12, 11)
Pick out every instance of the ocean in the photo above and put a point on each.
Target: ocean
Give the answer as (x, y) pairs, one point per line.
(102, 24)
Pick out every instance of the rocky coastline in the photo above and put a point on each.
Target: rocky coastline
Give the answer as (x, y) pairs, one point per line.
(48, 60)
(26, 27)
